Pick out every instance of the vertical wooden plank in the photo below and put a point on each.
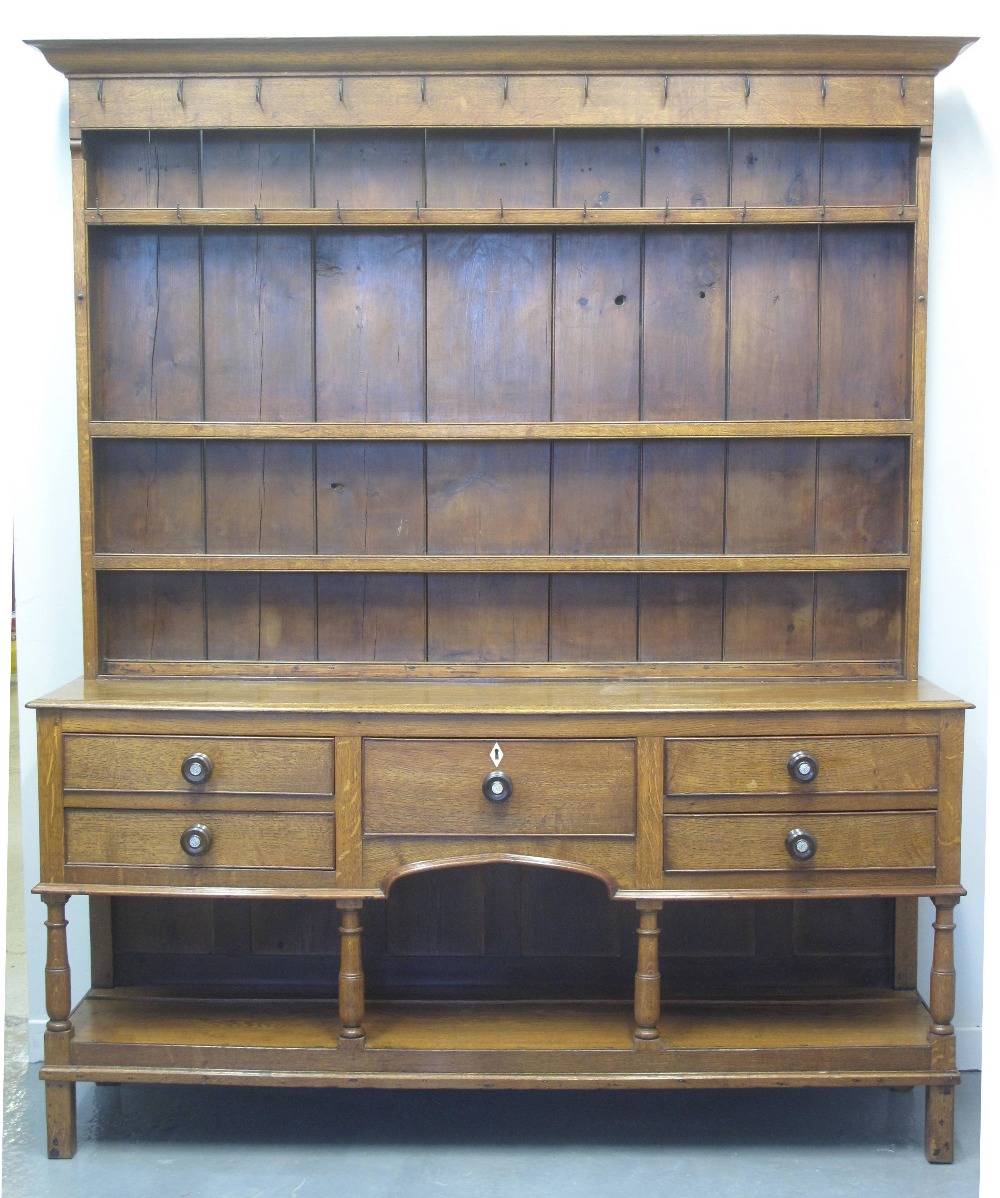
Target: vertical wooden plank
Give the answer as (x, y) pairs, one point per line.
(687, 170)
(861, 496)
(147, 284)
(369, 169)
(51, 825)
(567, 915)
(261, 617)
(680, 617)
(438, 913)
(487, 617)
(866, 318)
(649, 812)
(769, 617)
(369, 326)
(259, 497)
(597, 318)
(158, 169)
(593, 618)
(859, 617)
(684, 322)
(488, 498)
(771, 496)
(683, 496)
(372, 617)
(772, 348)
(369, 498)
(775, 168)
(271, 170)
(152, 617)
(869, 166)
(595, 496)
(348, 809)
(600, 169)
(232, 608)
(480, 171)
(151, 925)
(905, 943)
(949, 829)
(148, 497)
(258, 326)
(102, 956)
(488, 358)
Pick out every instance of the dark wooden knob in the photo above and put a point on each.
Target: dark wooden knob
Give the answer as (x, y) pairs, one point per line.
(196, 768)
(801, 845)
(196, 840)
(802, 766)
(497, 786)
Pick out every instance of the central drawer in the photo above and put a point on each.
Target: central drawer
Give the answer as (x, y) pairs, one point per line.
(559, 787)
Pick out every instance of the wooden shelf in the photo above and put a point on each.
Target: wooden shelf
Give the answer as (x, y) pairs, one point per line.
(493, 218)
(539, 430)
(513, 563)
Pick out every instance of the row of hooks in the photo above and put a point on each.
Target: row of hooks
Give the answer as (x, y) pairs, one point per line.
(504, 86)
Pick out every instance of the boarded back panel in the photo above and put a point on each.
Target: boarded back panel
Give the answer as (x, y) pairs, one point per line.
(684, 320)
(488, 498)
(271, 170)
(772, 168)
(259, 498)
(861, 496)
(593, 618)
(148, 497)
(143, 170)
(595, 497)
(683, 496)
(369, 170)
(601, 170)
(687, 170)
(146, 283)
(369, 326)
(597, 316)
(479, 172)
(867, 167)
(372, 617)
(680, 617)
(152, 617)
(488, 326)
(773, 341)
(769, 617)
(258, 326)
(261, 617)
(771, 496)
(370, 498)
(859, 617)
(865, 364)
(487, 617)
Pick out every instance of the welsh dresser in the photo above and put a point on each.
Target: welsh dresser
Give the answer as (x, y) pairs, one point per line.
(501, 476)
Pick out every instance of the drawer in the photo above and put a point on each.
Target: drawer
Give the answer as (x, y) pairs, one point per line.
(299, 840)
(239, 765)
(882, 840)
(760, 765)
(560, 788)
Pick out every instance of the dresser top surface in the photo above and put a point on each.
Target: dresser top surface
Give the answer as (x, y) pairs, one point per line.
(521, 54)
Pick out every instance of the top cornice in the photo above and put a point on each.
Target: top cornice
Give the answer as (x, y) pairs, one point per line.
(264, 56)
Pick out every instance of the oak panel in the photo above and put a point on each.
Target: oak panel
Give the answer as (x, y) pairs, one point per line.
(261, 617)
(681, 617)
(768, 617)
(770, 497)
(859, 617)
(687, 169)
(151, 617)
(595, 497)
(601, 169)
(683, 508)
(482, 171)
(775, 168)
(270, 170)
(873, 166)
(376, 169)
(259, 497)
(861, 495)
(371, 617)
(484, 617)
(369, 498)
(593, 618)
(148, 497)
(143, 170)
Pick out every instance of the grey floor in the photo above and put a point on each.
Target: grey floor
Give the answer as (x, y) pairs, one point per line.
(207, 1142)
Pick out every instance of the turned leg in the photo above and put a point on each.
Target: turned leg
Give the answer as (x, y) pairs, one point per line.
(647, 973)
(939, 1110)
(351, 990)
(60, 1097)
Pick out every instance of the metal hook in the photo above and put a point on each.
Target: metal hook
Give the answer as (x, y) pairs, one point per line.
(746, 87)
(744, 216)
(505, 83)
(180, 91)
(901, 206)
(822, 215)
(340, 90)
(666, 88)
(666, 209)
(99, 213)
(418, 210)
(258, 89)
(256, 213)
(902, 87)
(822, 87)
(501, 207)
(178, 210)
(100, 92)
(339, 216)
(423, 89)
(586, 88)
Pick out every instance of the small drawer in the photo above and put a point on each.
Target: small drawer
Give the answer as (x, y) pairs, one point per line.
(302, 840)
(765, 765)
(882, 840)
(559, 788)
(216, 765)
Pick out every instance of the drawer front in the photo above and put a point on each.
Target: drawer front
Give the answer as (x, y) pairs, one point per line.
(560, 788)
(882, 840)
(239, 765)
(300, 840)
(759, 765)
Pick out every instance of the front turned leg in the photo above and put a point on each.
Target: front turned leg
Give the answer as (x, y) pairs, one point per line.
(647, 974)
(60, 1097)
(351, 989)
(939, 1108)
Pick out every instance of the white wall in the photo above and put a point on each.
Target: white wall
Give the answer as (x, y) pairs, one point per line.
(40, 362)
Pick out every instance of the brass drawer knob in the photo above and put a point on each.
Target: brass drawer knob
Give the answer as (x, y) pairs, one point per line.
(803, 767)
(196, 840)
(497, 786)
(801, 845)
(196, 768)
